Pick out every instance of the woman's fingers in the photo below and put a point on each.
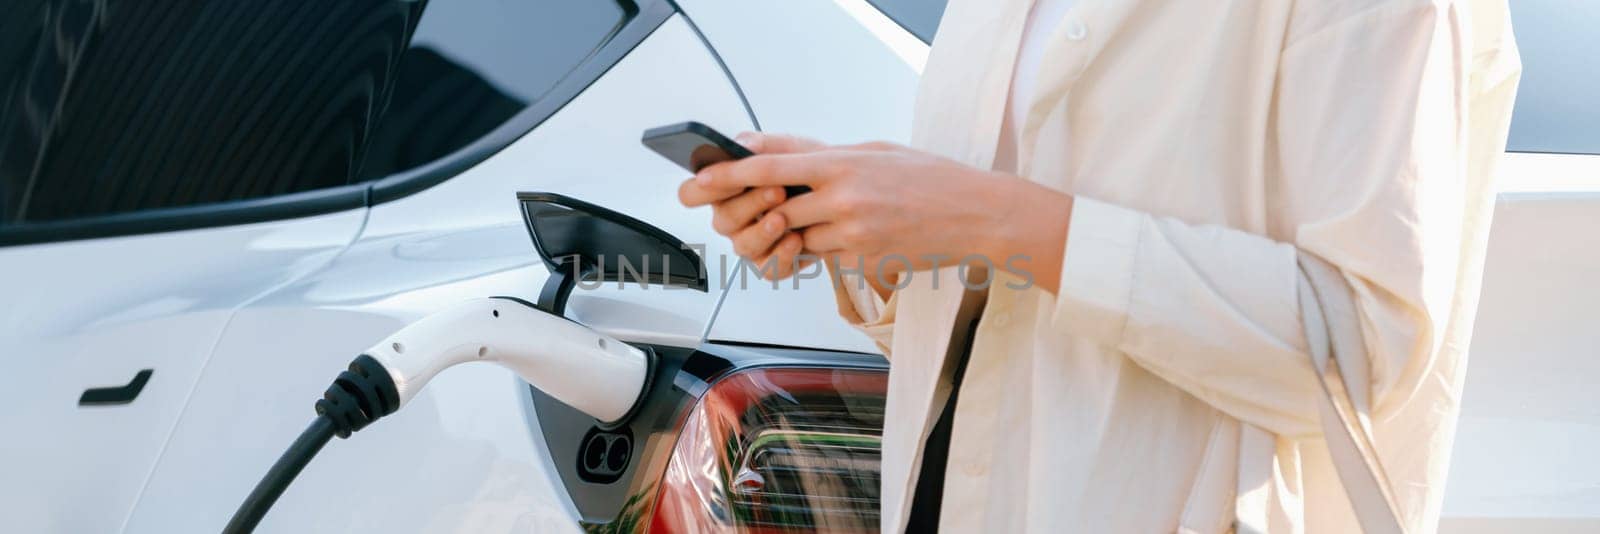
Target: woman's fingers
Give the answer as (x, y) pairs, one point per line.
(694, 194)
(781, 262)
(829, 237)
(735, 213)
(810, 209)
(765, 143)
(701, 192)
(774, 169)
(757, 240)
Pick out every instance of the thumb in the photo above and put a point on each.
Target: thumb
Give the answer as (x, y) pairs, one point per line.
(767, 143)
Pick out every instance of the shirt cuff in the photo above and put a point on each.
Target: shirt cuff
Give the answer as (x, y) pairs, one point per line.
(863, 308)
(1097, 270)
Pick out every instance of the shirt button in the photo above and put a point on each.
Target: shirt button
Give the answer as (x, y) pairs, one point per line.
(973, 468)
(1076, 30)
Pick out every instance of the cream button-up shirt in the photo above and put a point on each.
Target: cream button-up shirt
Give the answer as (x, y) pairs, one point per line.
(1167, 387)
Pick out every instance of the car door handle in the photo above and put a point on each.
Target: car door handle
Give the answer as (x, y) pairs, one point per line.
(116, 395)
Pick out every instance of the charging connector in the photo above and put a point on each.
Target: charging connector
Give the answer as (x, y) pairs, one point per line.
(572, 363)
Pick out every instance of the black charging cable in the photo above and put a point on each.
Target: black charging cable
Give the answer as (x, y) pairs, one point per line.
(360, 395)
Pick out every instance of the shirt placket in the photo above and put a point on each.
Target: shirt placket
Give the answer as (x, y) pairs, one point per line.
(996, 84)
(961, 486)
(1089, 25)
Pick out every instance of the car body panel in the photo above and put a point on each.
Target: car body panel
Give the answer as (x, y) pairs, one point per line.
(851, 86)
(464, 454)
(92, 313)
(245, 325)
(1523, 459)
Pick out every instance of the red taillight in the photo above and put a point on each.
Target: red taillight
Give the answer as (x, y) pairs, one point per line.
(778, 450)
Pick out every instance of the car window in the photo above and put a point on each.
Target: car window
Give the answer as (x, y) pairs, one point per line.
(1558, 100)
(473, 64)
(920, 17)
(113, 108)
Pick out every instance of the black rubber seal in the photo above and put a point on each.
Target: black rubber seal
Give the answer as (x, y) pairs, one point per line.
(360, 395)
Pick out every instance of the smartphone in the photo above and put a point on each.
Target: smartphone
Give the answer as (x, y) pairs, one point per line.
(693, 146)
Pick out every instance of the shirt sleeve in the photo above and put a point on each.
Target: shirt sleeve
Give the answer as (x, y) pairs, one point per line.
(1372, 139)
(864, 308)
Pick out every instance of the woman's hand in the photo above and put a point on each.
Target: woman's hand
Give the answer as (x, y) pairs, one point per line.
(882, 207)
(741, 213)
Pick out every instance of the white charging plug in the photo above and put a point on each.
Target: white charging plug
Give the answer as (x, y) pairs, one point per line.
(576, 365)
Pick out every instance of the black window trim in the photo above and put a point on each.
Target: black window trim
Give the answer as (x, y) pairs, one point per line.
(647, 15)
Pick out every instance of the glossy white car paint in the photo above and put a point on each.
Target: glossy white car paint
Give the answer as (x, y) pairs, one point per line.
(1524, 458)
(849, 86)
(246, 325)
(466, 454)
(88, 314)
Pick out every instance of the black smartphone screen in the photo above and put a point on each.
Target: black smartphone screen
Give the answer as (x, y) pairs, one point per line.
(693, 146)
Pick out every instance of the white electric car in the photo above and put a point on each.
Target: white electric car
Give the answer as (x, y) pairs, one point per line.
(207, 208)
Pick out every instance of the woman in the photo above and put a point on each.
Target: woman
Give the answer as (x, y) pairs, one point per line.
(1157, 172)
